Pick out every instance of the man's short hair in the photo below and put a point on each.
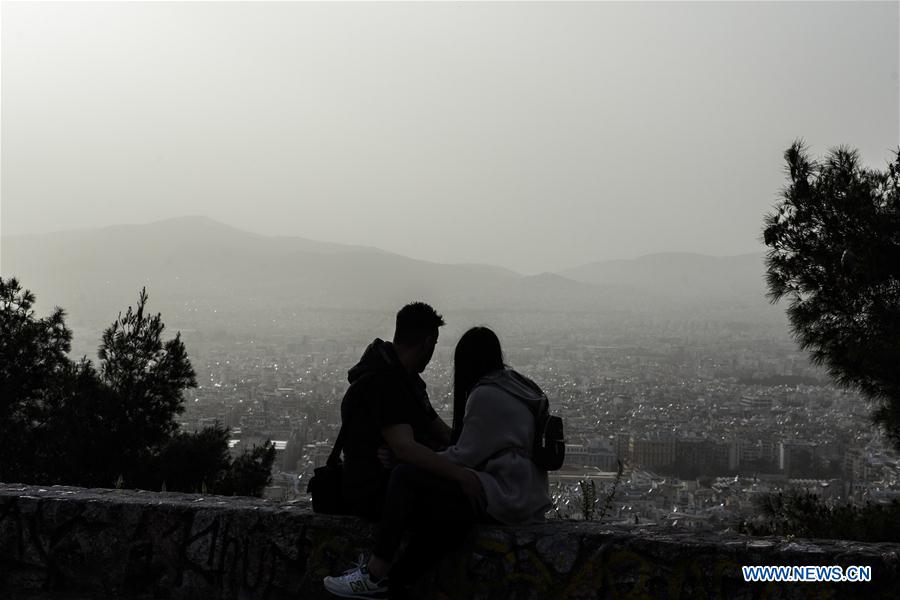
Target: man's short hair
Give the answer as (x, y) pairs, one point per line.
(415, 322)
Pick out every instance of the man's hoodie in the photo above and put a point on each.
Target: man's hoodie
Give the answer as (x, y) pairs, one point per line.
(496, 442)
(380, 357)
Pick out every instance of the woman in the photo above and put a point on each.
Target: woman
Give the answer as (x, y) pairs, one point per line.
(494, 411)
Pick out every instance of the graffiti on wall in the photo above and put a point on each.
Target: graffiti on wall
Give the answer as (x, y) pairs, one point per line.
(213, 548)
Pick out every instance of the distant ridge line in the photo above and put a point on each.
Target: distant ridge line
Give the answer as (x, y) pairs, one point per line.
(206, 221)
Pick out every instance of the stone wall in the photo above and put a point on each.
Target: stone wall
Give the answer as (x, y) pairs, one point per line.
(62, 542)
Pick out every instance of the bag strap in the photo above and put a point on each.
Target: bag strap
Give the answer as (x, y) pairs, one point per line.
(335, 457)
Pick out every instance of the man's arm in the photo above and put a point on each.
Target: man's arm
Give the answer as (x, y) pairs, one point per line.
(404, 446)
(440, 431)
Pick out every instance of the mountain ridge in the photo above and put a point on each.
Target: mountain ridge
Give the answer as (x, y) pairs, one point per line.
(198, 264)
(211, 223)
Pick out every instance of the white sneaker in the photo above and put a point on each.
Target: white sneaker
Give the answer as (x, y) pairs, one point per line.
(356, 583)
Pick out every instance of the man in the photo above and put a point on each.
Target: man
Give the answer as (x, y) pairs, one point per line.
(387, 408)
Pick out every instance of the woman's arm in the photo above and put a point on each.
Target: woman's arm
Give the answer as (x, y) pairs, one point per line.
(483, 431)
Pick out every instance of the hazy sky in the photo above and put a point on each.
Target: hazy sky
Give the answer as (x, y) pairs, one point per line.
(530, 135)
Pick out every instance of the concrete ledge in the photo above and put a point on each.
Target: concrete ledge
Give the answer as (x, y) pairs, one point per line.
(134, 544)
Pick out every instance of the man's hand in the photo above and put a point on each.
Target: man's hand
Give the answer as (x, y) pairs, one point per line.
(471, 487)
(440, 431)
(386, 457)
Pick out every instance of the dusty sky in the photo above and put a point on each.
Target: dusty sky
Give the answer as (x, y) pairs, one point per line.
(530, 135)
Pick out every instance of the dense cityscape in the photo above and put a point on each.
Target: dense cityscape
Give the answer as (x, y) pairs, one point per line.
(703, 415)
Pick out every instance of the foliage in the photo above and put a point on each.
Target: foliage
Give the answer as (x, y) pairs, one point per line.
(73, 442)
(148, 374)
(201, 462)
(608, 500)
(65, 422)
(588, 498)
(190, 461)
(145, 377)
(250, 472)
(33, 363)
(804, 514)
(834, 254)
(589, 501)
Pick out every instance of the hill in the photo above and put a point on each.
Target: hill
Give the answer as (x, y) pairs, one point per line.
(683, 277)
(197, 269)
(198, 264)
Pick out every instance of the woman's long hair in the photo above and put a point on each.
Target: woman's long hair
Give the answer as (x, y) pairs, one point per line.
(477, 353)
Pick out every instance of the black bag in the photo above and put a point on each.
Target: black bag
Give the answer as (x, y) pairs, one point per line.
(325, 490)
(549, 451)
(325, 485)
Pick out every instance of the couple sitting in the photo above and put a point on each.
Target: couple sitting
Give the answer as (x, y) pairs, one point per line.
(405, 468)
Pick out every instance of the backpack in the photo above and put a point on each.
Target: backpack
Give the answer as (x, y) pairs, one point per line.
(549, 451)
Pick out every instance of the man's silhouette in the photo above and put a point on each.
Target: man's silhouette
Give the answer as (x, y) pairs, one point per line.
(387, 406)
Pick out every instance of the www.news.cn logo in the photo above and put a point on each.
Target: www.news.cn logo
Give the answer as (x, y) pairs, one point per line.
(810, 573)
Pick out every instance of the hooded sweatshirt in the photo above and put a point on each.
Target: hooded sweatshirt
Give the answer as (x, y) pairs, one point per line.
(496, 442)
(378, 356)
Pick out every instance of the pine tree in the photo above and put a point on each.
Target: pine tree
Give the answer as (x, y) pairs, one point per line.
(148, 374)
(33, 361)
(834, 254)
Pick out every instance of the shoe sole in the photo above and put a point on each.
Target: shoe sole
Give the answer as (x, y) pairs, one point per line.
(377, 595)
